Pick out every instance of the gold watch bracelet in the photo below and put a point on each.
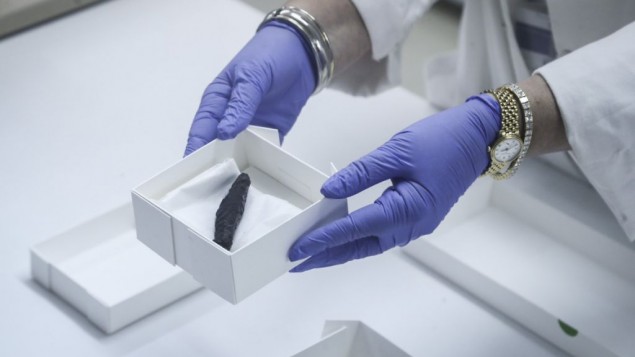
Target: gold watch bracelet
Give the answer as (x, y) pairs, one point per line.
(510, 125)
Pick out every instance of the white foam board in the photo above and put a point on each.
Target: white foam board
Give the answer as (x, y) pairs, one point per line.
(101, 269)
(542, 248)
(351, 339)
(237, 274)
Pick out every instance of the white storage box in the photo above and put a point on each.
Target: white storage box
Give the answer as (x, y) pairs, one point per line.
(351, 339)
(101, 269)
(237, 274)
(542, 248)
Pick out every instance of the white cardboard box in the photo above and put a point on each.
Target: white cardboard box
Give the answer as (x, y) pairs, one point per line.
(101, 269)
(235, 275)
(351, 339)
(543, 249)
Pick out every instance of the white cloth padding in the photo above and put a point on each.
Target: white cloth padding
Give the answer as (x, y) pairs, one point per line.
(195, 204)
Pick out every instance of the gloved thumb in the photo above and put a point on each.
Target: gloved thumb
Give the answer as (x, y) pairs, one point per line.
(380, 165)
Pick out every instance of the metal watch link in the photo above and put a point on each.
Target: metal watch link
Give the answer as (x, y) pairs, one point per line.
(508, 145)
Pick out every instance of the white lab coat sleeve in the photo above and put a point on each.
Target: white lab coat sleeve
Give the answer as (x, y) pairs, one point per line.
(388, 23)
(594, 87)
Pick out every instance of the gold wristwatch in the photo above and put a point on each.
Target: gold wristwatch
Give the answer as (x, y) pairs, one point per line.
(508, 145)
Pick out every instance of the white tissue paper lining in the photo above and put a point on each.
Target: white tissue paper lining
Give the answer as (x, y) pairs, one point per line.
(196, 201)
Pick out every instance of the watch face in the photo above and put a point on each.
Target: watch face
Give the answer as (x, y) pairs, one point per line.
(507, 150)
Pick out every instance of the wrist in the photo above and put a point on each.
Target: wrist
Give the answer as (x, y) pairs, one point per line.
(305, 52)
(307, 26)
(344, 26)
(549, 131)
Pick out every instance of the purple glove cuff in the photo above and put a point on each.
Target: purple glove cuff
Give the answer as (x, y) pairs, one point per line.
(296, 33)
(491, 124)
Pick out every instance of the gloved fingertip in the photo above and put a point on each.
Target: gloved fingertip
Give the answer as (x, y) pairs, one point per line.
(333, 187)
(224, 135)
(226, 131)
(295, 255)
(193, 144)
(297, 269)
(305, 266)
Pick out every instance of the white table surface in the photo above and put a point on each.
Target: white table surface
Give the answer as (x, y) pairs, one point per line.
(97, 102)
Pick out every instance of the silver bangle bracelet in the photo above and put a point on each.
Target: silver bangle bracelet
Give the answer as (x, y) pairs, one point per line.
(314, 35)
(525, 107)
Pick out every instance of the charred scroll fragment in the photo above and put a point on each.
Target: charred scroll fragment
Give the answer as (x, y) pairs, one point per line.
(230, 211)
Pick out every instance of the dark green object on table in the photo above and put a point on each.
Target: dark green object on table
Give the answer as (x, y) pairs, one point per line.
(567, 329)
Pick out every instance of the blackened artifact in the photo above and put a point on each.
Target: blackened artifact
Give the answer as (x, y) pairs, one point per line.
(230, 211)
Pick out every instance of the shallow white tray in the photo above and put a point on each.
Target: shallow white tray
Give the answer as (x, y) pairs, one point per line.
(543, 249)
(101, 269)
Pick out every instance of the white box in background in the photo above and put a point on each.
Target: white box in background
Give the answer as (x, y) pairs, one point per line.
(351, 339)
(101, 269)
(235, 275)
(544, 249)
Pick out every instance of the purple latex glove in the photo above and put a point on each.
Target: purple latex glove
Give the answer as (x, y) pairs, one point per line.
(431, 164)
(266, 84)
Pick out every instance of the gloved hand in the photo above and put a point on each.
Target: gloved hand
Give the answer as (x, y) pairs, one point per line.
(431, 164)
(266, 84)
